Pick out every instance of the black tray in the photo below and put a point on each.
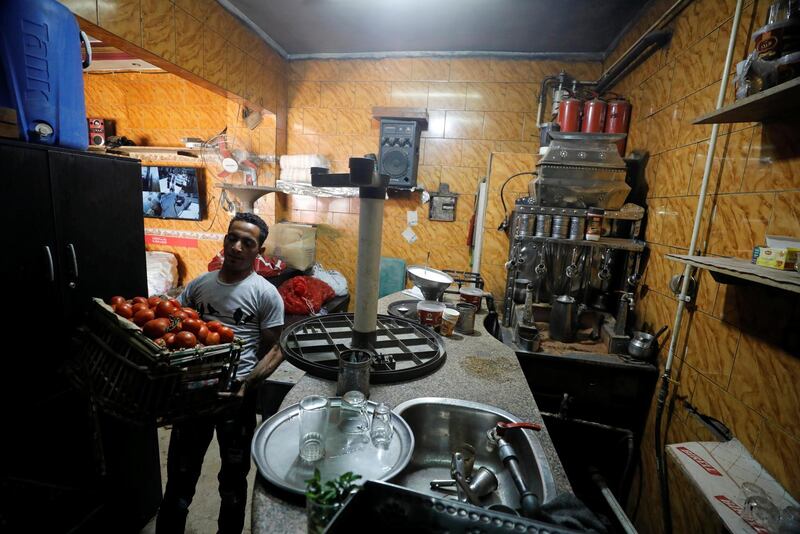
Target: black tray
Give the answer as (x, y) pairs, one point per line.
(391, 508)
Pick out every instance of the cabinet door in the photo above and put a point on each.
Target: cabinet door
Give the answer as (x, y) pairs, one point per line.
(98, 213)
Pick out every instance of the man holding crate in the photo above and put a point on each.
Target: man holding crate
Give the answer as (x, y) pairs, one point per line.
(242, 300)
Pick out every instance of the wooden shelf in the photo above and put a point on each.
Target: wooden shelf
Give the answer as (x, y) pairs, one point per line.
(737, 270)
(775, 102)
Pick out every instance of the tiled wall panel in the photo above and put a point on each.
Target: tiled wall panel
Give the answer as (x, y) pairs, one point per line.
(738, 356)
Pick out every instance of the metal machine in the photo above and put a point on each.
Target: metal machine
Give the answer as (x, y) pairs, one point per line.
(575, 249)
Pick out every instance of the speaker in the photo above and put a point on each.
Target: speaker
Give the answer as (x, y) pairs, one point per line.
(399, 152)
(100, 130)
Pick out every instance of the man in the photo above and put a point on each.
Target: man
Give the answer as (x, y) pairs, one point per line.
(241, 299)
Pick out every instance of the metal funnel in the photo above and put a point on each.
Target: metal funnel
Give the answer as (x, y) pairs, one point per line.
(431, 282)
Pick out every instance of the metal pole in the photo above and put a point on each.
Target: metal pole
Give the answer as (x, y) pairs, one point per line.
(370, 227)
(480, 221)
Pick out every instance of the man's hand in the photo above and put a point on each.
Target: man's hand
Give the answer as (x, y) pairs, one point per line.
(263, 369)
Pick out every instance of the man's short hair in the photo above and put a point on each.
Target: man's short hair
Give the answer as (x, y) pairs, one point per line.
(252, 218)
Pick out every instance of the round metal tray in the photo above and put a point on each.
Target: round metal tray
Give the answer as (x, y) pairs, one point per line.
(276, 442)
(404, 349)
(407, 309)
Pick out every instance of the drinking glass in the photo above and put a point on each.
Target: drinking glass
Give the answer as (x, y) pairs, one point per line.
(381, 431)
(354, 416)
(313, 426)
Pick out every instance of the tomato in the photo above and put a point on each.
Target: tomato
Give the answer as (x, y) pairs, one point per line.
(153, 301)
(116, 300)
(169, 338)
(214, 326)
(124, 309)
(143, 316)
(156, 328)
(181, 315)
(191, 312)
(225, 334)
(139, 306)
(164, 309)
(161, 342)
(202, 333)
(137, 300)
(185, 340)
(212, 338)
(175, 303)
(192, 325)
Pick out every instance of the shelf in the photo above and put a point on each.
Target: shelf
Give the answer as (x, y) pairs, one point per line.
(737, 270)
(775, 102)
(617, 243)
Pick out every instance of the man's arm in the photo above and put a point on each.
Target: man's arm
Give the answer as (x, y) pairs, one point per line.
(269, 362)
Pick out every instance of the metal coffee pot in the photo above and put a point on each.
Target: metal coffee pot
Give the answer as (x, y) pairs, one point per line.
(564, 319)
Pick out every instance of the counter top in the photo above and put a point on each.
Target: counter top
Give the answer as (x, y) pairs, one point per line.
(478, 368)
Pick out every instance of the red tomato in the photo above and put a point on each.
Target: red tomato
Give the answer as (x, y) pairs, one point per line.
(124, 309)
(156, 328)
(139, 306)
(212, 338)
(143, 316)
(164, 309)
(161, 342)
(225, 334)
(185, 340)
(202, 333)
(214, 326)
(153, 301)
(169, 338)
(175, 303)
(116, 300)
(191, 312)
(192, 325)
(136, 300)
(180, 315)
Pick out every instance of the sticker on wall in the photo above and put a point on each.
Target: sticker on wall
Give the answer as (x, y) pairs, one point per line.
(411, 218)
(170, 241)
(409, 235)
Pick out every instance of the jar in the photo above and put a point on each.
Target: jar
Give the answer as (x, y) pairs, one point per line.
(594, 224)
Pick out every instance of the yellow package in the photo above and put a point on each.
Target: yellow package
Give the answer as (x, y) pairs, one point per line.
(776, 258)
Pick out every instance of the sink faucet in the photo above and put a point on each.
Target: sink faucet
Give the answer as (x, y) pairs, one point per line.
(496, 438)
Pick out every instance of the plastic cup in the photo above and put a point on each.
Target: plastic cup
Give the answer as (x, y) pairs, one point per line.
(430, 312)
(472, 295)
(449, 321)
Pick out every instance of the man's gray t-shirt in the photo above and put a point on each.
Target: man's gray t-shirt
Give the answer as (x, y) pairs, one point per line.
(247, 306)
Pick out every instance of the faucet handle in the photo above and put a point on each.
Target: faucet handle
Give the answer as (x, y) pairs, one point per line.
(502, 426)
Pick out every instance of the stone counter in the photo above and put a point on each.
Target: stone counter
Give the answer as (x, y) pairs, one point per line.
(478, 368)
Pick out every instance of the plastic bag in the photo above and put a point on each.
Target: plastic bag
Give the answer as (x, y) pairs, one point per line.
(162, 272)
(266, 267)
(334, 279)
(304, 295)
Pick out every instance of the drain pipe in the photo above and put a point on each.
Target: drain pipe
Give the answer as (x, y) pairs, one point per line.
(687, 272)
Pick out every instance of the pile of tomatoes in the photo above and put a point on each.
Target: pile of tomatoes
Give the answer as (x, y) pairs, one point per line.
(169, 324)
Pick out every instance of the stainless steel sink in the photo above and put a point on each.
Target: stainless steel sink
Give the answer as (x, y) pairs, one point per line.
(442, 425)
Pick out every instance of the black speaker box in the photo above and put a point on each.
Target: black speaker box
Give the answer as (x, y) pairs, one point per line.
(399, 152)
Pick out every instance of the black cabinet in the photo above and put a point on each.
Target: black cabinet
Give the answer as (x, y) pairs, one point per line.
(74, 230)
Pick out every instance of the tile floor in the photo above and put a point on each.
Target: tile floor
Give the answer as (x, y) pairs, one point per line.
(203, 511)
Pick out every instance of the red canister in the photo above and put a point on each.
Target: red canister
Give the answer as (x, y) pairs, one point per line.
(618, 117)
(594, 116)
(569, 115)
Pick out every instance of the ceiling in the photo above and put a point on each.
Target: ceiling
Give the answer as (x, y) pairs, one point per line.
(369, 28)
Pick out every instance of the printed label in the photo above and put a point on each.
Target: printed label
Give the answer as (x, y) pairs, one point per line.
(710, 469)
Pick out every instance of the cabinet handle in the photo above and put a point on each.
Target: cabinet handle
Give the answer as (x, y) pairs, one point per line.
(71, 248)
(50, 264)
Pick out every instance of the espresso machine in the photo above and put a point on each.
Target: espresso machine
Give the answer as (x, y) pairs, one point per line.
(574, 249)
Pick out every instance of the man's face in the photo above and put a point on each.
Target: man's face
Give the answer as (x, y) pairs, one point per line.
(241, 246)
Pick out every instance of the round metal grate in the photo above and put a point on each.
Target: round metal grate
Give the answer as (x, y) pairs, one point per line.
(404, 349)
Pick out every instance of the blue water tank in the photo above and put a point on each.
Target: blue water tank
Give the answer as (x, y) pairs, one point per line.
(41, 75)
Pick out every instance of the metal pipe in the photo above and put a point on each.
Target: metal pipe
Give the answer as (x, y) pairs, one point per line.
(616, 508)
(529, 502)
(687, 272)
(543, 99)
(607, 79)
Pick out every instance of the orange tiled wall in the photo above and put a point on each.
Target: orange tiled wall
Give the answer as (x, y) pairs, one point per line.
(738, 358)
(476, 107)
(159, 110)
(198, 40)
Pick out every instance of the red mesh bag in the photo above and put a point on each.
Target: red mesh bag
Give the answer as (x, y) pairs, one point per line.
(304, 295)
(266, 267)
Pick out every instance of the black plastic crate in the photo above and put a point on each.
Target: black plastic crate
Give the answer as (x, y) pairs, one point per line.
(131, 377)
